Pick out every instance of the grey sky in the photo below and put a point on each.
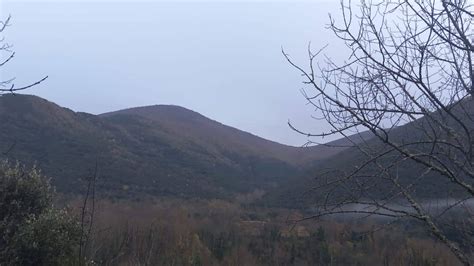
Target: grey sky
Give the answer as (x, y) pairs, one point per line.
(221, 59)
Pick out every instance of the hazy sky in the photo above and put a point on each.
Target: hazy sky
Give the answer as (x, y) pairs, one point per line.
(220, 58)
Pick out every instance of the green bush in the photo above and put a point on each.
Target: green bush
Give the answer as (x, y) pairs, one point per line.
(32, 231)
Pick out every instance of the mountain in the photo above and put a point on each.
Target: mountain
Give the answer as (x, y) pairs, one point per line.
(153, 150)
(423, 183)
(219, 139)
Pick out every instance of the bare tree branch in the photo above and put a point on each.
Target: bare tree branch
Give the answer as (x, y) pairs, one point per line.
(409, 80)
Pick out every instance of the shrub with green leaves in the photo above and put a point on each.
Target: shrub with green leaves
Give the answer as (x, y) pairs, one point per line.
(32, 230)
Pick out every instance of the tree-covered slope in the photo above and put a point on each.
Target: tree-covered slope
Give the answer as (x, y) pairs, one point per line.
(366, 171)
(156, 150)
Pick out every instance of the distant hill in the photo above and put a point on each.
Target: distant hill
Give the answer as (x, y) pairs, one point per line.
(423, 184)
(154, 150)
(221, 140)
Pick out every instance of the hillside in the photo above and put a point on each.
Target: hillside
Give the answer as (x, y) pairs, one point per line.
(219, 139)
(155, 150)
(423, 184)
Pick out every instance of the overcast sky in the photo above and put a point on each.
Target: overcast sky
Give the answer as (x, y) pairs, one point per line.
(220, 58)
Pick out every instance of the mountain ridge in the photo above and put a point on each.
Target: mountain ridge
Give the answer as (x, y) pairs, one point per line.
(147, 150)
(353, 166)
(222, 134)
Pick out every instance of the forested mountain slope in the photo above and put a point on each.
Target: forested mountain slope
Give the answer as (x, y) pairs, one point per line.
(365, 172)
(155, 150)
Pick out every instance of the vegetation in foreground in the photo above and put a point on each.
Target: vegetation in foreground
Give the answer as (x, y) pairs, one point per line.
(171, 231)
(216, 232)
(32, 230)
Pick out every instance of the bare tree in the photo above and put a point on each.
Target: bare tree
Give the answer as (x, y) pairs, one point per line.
(8, 85)
(409, 80)
(6, 55)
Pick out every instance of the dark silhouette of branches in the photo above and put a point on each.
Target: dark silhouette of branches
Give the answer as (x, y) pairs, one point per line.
(9, 86)
(88, 210)
(409, 80)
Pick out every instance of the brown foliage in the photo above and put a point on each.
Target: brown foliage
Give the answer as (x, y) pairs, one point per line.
(215, 232)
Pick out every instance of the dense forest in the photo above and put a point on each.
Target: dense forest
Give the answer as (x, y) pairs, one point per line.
(43, 228)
